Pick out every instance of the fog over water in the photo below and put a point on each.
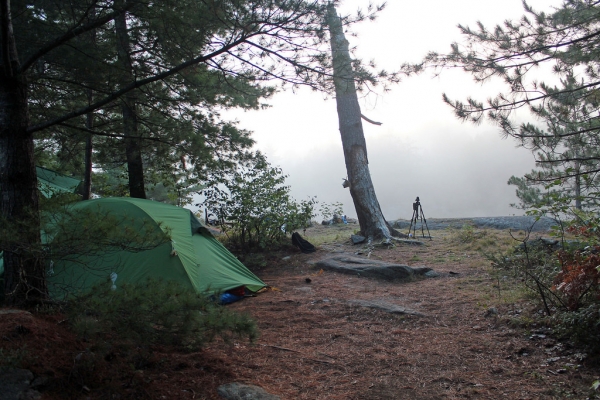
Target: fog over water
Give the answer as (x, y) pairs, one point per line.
(457, 169)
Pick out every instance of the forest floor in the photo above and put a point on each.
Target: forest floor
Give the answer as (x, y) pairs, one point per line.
(472, 335)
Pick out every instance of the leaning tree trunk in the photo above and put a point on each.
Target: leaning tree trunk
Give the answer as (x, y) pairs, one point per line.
(371, 220)
(24, 273)
(133, 151)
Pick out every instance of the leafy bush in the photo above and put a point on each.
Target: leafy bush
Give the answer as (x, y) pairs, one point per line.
(564, 280)
(328, 211)
(466, 234)
(578, 279)
(155, 312)
(254, 208)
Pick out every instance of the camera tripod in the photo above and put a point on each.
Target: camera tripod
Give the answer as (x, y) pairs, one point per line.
(418, 214)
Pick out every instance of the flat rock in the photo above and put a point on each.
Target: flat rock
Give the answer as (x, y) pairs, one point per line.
(386, 307)
(240, 391)
(371, 268)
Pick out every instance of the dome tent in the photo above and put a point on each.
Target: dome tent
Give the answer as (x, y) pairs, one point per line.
(193, 257)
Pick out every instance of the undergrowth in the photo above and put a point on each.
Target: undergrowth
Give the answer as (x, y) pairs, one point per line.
(561, 276)
(155, 312)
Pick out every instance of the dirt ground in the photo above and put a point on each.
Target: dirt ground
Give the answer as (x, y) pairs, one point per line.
(475, 340)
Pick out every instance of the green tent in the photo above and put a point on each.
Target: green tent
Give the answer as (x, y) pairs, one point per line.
(51, 182)
(193, 257)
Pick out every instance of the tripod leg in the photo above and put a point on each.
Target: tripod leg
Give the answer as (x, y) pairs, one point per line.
(428, 233)
(415, 225)
(411, 222)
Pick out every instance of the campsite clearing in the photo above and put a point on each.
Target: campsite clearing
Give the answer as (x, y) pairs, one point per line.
(471, 335)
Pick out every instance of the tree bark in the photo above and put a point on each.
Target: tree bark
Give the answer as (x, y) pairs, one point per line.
(24, 272)
(133, 152)
(371, 220)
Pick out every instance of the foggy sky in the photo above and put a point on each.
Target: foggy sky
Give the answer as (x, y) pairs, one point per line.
(457, 169)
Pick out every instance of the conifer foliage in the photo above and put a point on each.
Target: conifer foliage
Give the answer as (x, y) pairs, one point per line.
(550, 64)
(155, 312)
(152, 99)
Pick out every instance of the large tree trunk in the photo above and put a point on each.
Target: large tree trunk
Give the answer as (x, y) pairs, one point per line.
(133, 151)
(371, 220)
(24, 272)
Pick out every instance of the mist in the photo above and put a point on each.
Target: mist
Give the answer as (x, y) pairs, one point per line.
(454, 174)
(457, 169)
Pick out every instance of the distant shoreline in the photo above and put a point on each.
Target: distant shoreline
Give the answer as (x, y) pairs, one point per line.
(511, 222)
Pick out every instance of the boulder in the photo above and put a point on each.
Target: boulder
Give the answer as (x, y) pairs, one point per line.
(371, 268)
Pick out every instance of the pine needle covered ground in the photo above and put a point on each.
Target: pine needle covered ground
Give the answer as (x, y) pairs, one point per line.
(477, 338)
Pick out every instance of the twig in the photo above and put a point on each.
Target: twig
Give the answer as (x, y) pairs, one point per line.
(280, 348)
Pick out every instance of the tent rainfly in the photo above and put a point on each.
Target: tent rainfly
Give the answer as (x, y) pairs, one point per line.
(193, 257)
(51, 182)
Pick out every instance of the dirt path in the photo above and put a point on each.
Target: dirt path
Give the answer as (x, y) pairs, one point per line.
(316, 343)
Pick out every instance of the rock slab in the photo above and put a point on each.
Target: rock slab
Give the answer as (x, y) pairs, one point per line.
(371, 268)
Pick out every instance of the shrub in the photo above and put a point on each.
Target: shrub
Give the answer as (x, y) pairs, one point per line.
(578, 279)
(155, 312)
(328, 211)
(466, 234)
(565, 281)
(254, 208)
(582, 326)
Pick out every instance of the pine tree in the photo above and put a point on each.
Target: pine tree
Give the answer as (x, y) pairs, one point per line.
(253, 40)
(567, 40)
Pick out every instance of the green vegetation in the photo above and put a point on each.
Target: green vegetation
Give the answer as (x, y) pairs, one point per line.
(128, 95)
(255, 210)
(329, 211)
(154, 312)
(562, 277)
